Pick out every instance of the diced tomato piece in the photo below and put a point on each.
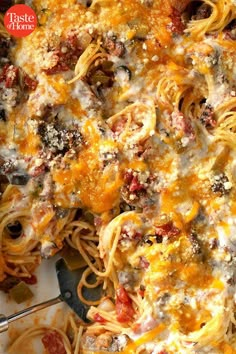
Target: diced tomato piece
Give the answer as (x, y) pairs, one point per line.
(67, 55)
(31, 281)
(30, 83)
(53, 342)
(124, 312)
(4, 72)
(99, 318)
(177, 25)
(128, 176)
(167, 229)
(122, 295)
(135, 185)
(137, 236)
(9, 75)
(59, 67)
(124, 309)
(133, 182)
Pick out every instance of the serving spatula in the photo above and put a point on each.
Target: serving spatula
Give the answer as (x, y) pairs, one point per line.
(68, 281)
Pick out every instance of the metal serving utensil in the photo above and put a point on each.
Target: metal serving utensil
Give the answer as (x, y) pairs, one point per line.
(68, 281)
